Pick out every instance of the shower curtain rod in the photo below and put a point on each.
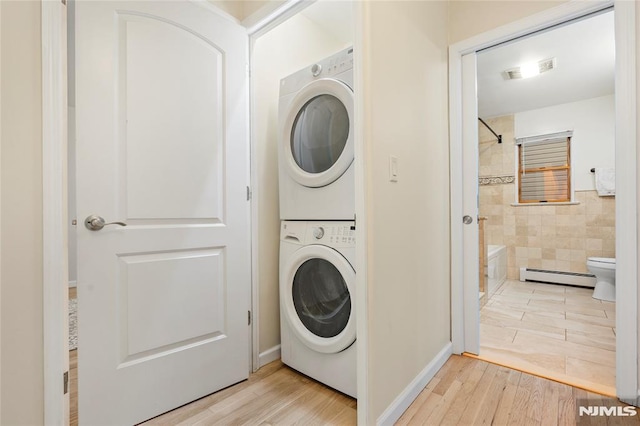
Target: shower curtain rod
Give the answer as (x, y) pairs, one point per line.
(491, 130)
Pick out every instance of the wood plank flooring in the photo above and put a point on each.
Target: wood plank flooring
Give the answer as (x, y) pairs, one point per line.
(468, 391)
(73, 388)
(465, 391)
(553, 331)
(274, 395)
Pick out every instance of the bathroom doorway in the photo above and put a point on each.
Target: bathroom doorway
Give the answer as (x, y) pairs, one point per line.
(546, 105)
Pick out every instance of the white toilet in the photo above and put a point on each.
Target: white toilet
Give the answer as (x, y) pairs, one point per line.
(604, 268)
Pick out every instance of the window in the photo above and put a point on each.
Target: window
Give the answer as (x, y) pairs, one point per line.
(544, 168)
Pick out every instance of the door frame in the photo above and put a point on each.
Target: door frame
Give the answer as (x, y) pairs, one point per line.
(626, 165)
(55, 220)
(55, 277)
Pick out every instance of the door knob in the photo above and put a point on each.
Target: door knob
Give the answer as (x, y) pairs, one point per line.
(96, 223)
(466, 219)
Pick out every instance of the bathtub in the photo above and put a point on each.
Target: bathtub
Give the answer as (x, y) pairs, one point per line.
(496, 268)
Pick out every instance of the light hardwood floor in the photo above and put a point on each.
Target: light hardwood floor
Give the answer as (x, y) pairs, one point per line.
(468, 391)
(73, 375)
(274, 395)
(553, 331)
(465, 391)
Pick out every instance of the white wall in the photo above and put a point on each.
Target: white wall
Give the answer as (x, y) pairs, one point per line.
(21, 336)
(232, 7)
(471, 17)
(241, 9)
(291, 46)
(593, 125)
(406, 115)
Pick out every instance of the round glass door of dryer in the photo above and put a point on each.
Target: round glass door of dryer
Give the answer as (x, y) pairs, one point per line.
(319, 133)
(317, 137)
(317, 298)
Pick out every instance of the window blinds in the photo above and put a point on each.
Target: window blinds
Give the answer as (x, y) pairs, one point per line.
(544, 168)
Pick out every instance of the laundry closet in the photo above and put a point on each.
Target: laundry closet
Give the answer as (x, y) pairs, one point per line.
(314, 44)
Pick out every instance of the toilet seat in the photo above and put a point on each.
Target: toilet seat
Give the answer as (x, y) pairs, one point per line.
(602, 259)
(602, 262)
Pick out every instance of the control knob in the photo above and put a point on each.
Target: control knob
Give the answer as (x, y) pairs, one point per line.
(318, 232)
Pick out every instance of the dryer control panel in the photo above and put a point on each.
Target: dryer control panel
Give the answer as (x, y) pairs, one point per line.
(336, 64)
(330, 233)
(333, 67)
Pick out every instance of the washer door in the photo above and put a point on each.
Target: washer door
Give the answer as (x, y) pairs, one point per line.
(317, 138)
(317, 300)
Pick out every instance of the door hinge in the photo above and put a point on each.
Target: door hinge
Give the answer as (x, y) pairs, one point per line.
(248, 193)
(65, 382)
(248, 317)
(65, 3)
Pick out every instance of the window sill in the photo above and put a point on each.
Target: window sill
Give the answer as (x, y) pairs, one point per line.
(564, 203)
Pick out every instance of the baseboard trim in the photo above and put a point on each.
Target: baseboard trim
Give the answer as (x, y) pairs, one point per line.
(73, 284)
(270, 355)
(411, 392)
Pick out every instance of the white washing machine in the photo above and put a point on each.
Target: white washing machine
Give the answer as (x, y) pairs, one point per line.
(317, 301)
(315, 143)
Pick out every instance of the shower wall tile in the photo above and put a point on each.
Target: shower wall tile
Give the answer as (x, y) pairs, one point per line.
(555, 237)
(549, 254)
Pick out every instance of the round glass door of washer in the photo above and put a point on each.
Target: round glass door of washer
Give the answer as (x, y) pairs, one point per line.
(318, 299)
(321, 298)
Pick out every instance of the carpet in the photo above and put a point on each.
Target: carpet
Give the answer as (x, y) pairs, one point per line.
(73, 324)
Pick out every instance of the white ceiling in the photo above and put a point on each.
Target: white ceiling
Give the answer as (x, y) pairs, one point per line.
(585, 55)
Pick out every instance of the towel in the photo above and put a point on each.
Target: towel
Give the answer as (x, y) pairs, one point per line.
(605, 181)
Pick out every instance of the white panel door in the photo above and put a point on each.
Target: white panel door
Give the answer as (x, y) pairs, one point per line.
(470, 204)
(162, 146)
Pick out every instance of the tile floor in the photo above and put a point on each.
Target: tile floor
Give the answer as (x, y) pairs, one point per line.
(554, 331)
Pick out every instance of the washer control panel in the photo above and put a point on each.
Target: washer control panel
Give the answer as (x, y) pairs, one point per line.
(330, 233)
(333, 234)
(345, 234)
(318, 232)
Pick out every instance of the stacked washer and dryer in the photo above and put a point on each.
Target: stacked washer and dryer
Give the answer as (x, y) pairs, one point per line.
(317, 211)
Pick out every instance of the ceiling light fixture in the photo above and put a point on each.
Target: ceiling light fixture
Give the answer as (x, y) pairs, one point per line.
(530, 69)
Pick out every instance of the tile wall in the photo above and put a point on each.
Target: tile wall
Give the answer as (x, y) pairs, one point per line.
(546, 237)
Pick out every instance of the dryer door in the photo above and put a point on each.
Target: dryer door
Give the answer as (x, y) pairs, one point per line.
(316, 135)
(317, 298)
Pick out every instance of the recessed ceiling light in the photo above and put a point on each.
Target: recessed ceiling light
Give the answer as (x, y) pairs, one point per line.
(530, 69)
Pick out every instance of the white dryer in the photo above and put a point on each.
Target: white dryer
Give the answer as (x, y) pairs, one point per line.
(317, 301)
(315, 144)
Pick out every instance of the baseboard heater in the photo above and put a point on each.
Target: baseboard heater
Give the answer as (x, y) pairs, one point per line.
(557, 277)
